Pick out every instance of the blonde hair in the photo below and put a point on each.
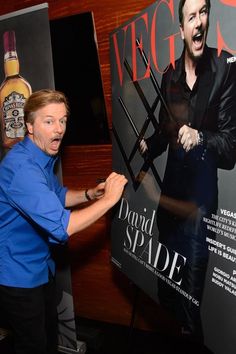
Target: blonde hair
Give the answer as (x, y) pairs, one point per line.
(40, 99)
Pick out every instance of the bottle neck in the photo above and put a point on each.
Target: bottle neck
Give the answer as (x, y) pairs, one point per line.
(11, 64)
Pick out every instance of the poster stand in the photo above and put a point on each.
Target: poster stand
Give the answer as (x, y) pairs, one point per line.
(132, 320)
(80, 348)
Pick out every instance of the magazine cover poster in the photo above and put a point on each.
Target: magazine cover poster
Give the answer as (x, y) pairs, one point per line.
(174, 138)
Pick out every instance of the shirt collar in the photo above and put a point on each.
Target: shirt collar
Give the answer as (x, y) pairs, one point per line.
(39, 155)
(202, 65)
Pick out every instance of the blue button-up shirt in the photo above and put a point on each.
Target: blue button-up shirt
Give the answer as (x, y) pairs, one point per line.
(32, 215)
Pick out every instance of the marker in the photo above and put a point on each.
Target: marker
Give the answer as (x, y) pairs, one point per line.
(101, 180)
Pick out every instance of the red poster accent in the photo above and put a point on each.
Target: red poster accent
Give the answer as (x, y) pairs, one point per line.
(155, 32)
(221, 44)
(229, 2)
(135, 46)
(120, 57)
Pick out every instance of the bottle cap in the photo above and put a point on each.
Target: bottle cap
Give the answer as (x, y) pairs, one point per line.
(9, 40)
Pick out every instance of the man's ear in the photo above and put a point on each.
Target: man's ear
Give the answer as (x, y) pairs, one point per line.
(181, 31)
(29, 128)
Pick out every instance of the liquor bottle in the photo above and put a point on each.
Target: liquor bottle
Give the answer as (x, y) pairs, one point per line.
(14, 90)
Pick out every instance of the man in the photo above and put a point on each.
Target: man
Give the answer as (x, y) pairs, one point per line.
(200, 131)
(33, 213)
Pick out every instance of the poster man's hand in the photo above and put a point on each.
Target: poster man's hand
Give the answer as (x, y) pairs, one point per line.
(143, 146)
(188, 137)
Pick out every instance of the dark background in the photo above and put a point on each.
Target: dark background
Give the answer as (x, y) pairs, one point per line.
(77, 74)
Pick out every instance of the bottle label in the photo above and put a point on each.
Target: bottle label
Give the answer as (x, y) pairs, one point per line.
(10, 55)
(13, 114)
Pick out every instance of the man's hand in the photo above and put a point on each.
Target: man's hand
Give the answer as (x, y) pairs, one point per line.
(118, 182)
(114, 187)
(98, 191)
(188, 137)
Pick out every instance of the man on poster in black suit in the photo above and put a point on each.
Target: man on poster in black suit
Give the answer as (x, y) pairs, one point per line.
(200, 133)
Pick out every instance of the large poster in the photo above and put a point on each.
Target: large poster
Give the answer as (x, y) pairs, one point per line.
(27, 66)
(174, 137)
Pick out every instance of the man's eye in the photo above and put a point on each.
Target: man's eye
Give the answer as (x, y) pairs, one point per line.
(48, 122)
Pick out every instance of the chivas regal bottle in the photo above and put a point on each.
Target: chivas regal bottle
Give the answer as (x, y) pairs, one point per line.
(13, 92)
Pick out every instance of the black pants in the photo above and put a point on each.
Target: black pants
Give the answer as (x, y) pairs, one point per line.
(32, 316)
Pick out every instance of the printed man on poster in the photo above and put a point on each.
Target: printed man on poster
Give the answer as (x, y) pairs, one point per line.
(200, 131)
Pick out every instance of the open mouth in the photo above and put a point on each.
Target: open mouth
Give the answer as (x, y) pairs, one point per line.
(55, 143)
(198, 39)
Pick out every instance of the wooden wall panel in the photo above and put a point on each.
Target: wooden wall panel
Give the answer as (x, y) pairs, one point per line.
(100, 291)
